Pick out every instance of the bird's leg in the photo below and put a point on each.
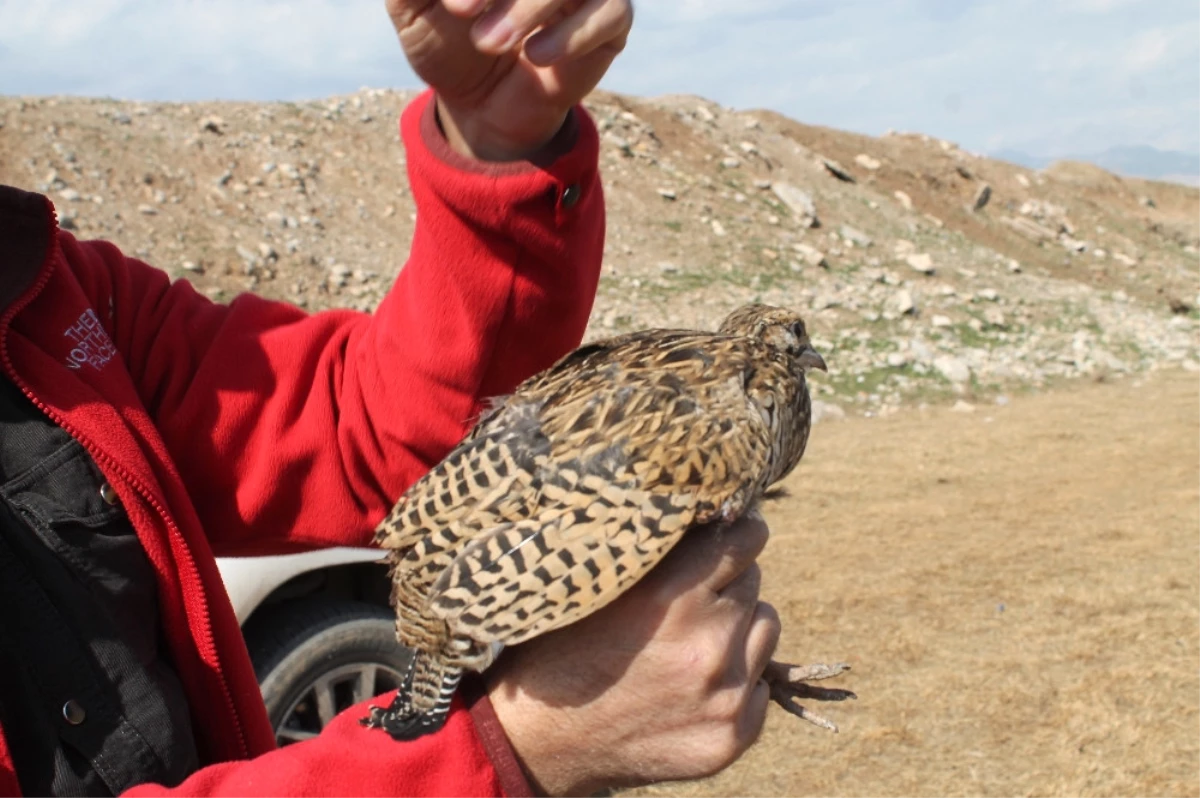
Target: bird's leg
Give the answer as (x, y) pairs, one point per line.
(788, 685)
(401, 707)
(403, 722)
(422, 703)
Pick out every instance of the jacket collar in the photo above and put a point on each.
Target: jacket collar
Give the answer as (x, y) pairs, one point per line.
(26, 231)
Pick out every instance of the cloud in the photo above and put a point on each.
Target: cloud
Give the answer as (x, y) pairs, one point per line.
(1098, 6)
(1147, 50)
(1048, 76)
(192, 49)
(1053, 76)
(694, 11)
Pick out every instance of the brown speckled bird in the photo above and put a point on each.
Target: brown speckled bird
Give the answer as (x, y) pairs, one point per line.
(568, 491)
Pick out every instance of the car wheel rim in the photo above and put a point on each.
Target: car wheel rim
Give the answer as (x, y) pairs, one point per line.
(330, 693)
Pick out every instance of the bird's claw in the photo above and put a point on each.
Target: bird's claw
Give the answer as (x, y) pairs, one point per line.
(400, 720)
(788, 684)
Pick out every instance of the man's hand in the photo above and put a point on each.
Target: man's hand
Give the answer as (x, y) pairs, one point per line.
(662, 684)
(507, 76)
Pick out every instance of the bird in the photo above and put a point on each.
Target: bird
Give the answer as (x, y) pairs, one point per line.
(567, 491)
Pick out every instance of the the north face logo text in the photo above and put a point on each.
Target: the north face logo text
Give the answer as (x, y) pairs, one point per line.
(92, 346)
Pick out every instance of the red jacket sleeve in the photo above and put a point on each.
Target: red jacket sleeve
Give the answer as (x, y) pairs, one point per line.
(302, 430)
(347, 756)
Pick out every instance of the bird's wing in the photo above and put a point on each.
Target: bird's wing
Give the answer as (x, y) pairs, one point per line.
(471, 487)
(466, 485)
(633, 463)
(605, 350)
(521, 579)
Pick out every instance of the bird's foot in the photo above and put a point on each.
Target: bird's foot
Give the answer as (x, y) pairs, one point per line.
(788, 685)
(402, 721)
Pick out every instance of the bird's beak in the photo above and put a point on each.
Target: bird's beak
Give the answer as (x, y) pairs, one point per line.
(811, 359)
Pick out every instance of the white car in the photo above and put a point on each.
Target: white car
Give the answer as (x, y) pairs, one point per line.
(320, 631)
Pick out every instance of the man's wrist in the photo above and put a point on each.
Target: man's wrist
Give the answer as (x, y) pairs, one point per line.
(469, 135)
(536, 741)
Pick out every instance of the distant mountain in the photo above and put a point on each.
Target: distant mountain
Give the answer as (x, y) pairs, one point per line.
(1022, 158)
(1139, 161)
(1149, 162)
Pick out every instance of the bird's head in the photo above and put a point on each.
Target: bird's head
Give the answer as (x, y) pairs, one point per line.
(781, 328)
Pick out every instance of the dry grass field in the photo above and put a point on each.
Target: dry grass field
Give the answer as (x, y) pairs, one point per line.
(1016, 588)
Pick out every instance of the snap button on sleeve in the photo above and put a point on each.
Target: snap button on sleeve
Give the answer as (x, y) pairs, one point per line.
(571, 195)
(73, 712)
(108, 493)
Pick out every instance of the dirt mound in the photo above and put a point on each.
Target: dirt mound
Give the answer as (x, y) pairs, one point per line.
(1084, 174)
(927, 272)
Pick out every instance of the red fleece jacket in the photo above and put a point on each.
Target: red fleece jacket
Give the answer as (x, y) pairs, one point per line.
(256, 428)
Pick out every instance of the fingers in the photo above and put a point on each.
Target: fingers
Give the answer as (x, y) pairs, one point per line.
(761, 640)
(507, 22)
(733, 549)
(597, 23)
(572, 29)
(404, 12)
(754, 716)
(465, 8)
(735, 703)
(743, 590)
(712, 556)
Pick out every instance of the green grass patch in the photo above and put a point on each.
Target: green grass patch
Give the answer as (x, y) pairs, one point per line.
(969, 336)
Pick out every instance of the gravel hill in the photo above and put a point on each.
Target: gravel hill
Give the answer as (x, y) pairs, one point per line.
(928, 273)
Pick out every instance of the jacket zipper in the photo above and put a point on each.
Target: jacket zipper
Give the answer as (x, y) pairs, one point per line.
(208, 644)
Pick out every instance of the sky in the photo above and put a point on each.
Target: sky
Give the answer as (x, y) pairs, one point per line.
(1048, 77)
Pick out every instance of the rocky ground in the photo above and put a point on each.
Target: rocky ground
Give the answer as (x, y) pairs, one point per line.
(928, 273)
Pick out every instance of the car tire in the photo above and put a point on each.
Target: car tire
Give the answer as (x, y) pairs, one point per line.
(316, 658)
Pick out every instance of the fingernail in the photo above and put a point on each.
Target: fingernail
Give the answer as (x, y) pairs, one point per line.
(493, 33)
(542, 50)
(467, 8)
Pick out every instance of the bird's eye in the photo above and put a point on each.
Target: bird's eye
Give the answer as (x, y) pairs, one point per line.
(798, 331)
